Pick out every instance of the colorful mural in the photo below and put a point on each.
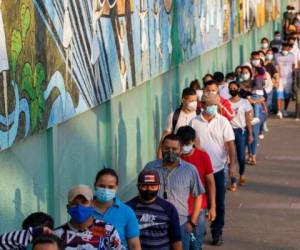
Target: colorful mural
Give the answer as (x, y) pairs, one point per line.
(59, 58)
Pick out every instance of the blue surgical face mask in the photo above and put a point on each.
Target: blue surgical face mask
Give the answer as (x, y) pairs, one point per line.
(104, 194)
(212, 110)
(80, 214)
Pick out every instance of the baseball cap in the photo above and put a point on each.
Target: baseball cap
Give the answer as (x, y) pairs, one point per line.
(149, 177)
(81, 189)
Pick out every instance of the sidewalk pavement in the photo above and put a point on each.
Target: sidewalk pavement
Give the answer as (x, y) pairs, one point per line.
(265, 214)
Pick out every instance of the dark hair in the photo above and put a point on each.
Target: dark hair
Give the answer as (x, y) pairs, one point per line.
(172, 137)
(195, 84)
(270, 50)
(207, 75)
(237, 68)
(188, 92)
(254, 53)
(275, 50)
(264, 39)
(230, 75)
(48, 239)
(277, 33)
(107, 171)
(234, 83)
(38, 219)
(285, 44)
(211, 82)
(219, 77)
(186, 134)
(261, 52)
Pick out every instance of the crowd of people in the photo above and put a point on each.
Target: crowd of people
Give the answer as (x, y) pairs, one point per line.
(215, 131)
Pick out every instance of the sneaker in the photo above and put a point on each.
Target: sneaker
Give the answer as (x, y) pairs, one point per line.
(265, 128)
(217, 240)
(279, 114)
(261, 136)
(285, 113)
(255, 121)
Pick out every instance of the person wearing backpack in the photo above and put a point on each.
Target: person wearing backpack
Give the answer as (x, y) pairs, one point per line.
(181, 116)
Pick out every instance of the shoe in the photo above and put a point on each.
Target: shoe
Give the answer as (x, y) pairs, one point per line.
(285, 113)
(255, 121)
(242, 181)
(217, 240)
(261, 136)
(232, 187)
(279, 114)
(265, 128)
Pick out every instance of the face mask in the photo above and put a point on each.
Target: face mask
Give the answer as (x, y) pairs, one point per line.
(234, 93)
(212, 110)
(170, 157)
(284, 52)
(80, 214)
(186, 149)
(298, 17)
(105, 194)
(246, 76)
(265, 45)
(147, 195)
(199, 93)
(256, 62)
(269, 57)
(277, 37)
(192, 106)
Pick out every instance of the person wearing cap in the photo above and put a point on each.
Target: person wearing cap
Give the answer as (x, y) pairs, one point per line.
(83, 231)
(179, 179)
(214, 135)
(111, 209)
(158, 219)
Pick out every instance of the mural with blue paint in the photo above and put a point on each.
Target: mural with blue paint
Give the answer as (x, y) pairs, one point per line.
(59, 58)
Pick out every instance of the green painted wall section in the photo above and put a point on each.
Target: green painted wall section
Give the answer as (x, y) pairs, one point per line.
(122, 133)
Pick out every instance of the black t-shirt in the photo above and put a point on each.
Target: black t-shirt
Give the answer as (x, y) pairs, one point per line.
(158, 223)
(271, 69)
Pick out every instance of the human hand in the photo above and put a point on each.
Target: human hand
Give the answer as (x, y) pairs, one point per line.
(250, 139)
(47, 230)
(211, 214)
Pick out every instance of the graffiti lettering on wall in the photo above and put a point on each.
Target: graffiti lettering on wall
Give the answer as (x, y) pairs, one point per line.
(61, 58)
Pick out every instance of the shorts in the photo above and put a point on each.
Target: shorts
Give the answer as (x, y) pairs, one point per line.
(282, 95)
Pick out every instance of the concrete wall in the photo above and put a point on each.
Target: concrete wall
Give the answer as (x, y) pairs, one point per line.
(121, 133)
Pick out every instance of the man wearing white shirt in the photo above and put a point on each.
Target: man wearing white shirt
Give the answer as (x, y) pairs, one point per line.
(215, 135)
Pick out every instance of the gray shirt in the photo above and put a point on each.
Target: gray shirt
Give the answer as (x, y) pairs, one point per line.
(177, 185)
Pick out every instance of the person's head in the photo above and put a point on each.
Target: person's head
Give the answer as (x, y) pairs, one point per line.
(231, 76)
(255, 58)
(48, 242)
(264, 43)
(269, 55)
(38, 219)
(148, 185)
(106, 185)
(195, 84)
(277, 35)
(211, 87)
(234, 89)
(79, 205)
(246, 73)
(285, 48)
(171, 149)
(187, 137)
(189, 99)
(238, 70)
(208, 77)
(219, 77)
(211, 103)
(291, 40)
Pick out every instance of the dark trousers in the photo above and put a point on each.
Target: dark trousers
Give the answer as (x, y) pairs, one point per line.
(240, 143)
(218, 224)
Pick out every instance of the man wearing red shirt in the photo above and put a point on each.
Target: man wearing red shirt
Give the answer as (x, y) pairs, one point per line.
(201, 161)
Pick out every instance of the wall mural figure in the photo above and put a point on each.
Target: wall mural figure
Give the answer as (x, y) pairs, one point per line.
(156, 13)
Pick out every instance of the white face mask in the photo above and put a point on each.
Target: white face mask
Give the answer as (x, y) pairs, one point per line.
(246, 76)
(298, 17)
(192, 106)
(255, 62)
(199, 93)
(265, 45)
(277, 37)
(284, 52)
(269, 57)
(186, 149)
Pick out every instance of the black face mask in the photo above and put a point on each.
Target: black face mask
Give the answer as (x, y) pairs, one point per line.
(148, 195)
(234, 93)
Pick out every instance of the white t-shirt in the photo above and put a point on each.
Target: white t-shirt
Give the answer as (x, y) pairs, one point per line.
(240, 108)
(296, 52)
(184, 119)
(212, 136)
(224, 91)
(285, 64)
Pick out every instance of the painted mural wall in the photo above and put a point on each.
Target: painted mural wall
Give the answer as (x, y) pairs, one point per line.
(59, 58)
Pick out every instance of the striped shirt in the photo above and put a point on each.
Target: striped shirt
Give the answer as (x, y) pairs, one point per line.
(177, 185)
(158, 223)
(19, 239)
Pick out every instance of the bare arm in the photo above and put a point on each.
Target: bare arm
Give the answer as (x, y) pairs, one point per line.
(230, 145)
(248, 116)
(134, 244)
(196, 209)
(177, 245)
(211, 188)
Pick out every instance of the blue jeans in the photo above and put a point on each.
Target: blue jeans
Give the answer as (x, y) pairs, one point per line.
(199, 231)
(240, 143)
(252, 148)
(257, 106)
(185, 237)
(218, 224)
(270, 101)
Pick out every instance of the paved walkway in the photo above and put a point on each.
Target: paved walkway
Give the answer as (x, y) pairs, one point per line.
(265, 214)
